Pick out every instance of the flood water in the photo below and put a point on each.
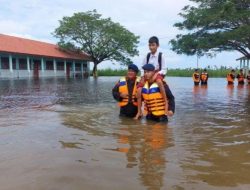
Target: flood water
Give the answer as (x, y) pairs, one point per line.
(66, 135)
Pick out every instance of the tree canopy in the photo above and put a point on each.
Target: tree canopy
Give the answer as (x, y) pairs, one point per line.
(101, 38)
(213, 26)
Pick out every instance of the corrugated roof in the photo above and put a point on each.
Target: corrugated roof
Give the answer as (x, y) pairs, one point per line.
(11, 44)
(242, 58)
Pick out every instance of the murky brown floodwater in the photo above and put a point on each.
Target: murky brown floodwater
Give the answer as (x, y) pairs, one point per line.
(66, 135)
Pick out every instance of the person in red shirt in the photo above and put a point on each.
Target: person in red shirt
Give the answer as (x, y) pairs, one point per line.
(248, 77)
(241, 77)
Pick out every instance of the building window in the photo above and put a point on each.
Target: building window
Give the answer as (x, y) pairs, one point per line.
(60, 66)
(23, 64)
(49, 65)
(78, 66)
(85, 67)
(36, 64)
(14, 63)
(5, 63)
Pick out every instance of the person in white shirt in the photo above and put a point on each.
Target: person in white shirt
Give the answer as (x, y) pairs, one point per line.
(155, 58)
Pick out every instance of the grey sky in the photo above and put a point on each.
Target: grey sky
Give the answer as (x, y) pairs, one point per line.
(37, 19)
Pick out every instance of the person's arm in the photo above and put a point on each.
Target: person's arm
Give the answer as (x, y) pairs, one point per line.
(115, 92)
(163, 70)
(171, 99)
(139, 104)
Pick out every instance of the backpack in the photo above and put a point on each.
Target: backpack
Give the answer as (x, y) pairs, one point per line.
(159, 59)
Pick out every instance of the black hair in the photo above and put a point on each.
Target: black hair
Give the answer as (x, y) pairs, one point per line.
(153, 39)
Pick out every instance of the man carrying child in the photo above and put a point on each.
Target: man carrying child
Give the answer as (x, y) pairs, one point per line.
(157, 60)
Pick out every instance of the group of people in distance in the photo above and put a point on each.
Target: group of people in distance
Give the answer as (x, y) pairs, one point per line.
(240, 76)
(200, 78)
(203, 77)
(149, 91)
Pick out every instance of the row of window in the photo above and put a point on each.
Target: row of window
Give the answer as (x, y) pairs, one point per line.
(49, 65)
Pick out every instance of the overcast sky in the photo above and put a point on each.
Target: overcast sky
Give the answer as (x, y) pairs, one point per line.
(37, 19)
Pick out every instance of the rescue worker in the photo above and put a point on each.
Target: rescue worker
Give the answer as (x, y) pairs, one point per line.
(125, 92)
(248, 78)
(241, 77)
(204, 77)
(196, 77)
(153, 99)
(231, 77)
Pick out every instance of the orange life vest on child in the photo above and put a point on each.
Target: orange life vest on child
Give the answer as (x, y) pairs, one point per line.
(123, 88)
(196, 77)
(153, 99)
(230, 78)
(204, 76)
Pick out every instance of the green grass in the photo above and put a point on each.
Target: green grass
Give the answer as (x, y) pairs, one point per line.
(112, 72)
(221, 72)
(217, 72)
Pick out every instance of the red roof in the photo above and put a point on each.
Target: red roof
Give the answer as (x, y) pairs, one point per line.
(11, 44)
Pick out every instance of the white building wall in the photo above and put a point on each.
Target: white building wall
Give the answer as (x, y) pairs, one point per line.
(16, 73)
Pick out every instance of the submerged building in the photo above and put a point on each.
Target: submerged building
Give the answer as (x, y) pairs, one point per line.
(244, 64)
(20, 58)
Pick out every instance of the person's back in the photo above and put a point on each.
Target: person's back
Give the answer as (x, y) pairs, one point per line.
(231, 77)
(196, 77)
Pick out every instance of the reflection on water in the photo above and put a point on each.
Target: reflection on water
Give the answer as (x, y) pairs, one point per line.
(66, 134)
(144, 148)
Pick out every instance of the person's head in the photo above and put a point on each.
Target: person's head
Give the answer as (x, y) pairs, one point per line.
(196, 70)
(132, 71)
(241, 71)
(149, 71)
(233, 71)
(153, 44)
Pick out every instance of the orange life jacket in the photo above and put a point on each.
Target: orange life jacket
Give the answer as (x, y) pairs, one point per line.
(230, 78)
(153, 99)
(204, 76)
(123, 88)
(196, 77)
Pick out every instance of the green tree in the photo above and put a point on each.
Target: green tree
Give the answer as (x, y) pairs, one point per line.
(101, 38)
(213, 26)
